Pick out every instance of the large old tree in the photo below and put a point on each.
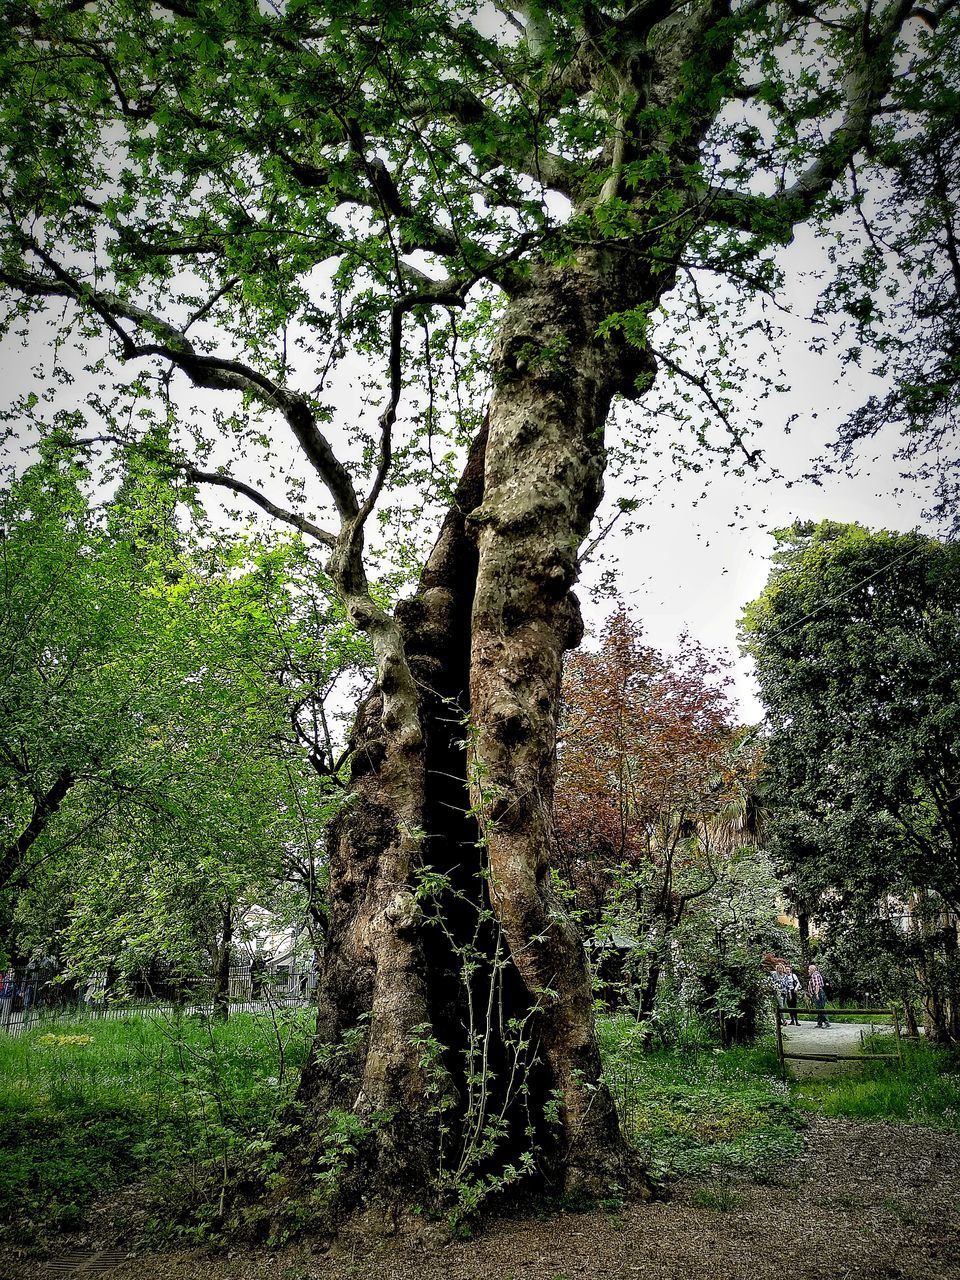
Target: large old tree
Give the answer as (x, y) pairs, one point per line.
(476, 212)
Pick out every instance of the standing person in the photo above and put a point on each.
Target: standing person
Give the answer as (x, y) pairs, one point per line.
(817, 991)
(778, 980)
(793, 990)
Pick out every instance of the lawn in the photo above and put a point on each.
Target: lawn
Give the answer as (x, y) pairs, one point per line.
(924, 1090)
(177, 1107)
(89, 1106)
(700, 1111)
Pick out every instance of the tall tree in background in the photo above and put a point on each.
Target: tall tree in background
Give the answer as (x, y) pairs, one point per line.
(856, 640)
(655, 786)
(157, 695)
(238, 200)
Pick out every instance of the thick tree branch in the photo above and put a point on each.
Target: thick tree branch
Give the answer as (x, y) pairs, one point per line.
(45, 806)
(865, 84)
(203, 370)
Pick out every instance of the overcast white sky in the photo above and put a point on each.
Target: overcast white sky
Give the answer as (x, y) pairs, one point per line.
(689, 569)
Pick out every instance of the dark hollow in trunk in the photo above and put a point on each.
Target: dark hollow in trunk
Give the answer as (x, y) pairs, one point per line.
(456, 1014)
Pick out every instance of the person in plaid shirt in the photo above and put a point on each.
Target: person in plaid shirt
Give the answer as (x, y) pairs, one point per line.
(817, 991)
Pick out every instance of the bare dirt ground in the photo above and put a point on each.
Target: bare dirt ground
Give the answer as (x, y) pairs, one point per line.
(862, 1201)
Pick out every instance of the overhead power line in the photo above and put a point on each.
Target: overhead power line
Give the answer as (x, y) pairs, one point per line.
(846, 591)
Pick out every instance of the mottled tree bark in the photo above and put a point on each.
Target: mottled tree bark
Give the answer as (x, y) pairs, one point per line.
(386, 981)
(484, 639)
(544, 468)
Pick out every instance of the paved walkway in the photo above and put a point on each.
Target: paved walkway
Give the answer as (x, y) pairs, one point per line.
(842, 1036)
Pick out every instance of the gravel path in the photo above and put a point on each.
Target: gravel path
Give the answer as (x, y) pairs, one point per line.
(861, 1202)
(841, 1036)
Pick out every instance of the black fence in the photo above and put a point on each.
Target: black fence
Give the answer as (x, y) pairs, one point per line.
(32, 995)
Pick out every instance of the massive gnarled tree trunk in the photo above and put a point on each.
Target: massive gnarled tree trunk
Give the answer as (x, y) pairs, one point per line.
(334, 178)
(388, 988)
(469, 1046)
(545, 461)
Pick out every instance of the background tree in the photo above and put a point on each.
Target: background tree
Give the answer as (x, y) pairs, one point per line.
(270, 193)
(67, 700)
(656, 801)
(173, 683)
(721, 943)
(856, 639)
(654, 787)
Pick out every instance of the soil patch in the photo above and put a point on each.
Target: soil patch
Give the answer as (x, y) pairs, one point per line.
(861, 1201)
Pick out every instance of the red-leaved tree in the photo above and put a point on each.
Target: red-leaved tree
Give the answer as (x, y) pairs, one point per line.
(656, 785)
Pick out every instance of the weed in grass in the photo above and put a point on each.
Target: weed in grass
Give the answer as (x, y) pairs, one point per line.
(717, 1196)
(844, 1200)
(905, 1213)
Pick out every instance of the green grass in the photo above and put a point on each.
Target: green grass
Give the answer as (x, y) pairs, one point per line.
(701, 1111)
(719, 1196)
(924, 1090)
(178, 1107)
(87, 1107)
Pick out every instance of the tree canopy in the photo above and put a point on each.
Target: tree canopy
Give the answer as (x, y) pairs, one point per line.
(155, 695)
(855, 640)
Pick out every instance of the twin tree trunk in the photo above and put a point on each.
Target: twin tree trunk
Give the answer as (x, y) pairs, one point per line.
(456, 1023)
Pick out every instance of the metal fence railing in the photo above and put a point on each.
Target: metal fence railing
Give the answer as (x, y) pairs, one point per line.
(30, 996)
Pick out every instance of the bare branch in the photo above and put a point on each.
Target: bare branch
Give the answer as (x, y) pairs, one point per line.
(203, 370)
(211, 302)
(225, 481)
(752, 456)
(221, 479)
